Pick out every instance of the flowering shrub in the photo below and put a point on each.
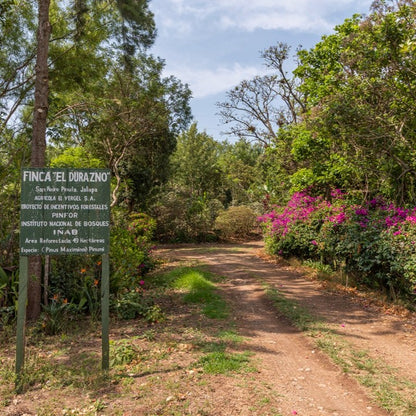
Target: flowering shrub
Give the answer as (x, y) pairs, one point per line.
(374, 242)
(292, 230)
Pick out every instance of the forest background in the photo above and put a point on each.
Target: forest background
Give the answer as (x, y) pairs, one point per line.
(324, 156)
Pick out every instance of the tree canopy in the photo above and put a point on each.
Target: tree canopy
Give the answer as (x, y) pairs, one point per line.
(347, 116)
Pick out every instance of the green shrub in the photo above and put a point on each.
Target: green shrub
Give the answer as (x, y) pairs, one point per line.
(184, 218)
(53, 316)
(77, 278)
(123, 352)
(131, 304)
(373, 242)
(131, 246)
(236, 222)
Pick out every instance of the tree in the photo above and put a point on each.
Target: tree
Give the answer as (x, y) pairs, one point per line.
(120, 107)
(195, 163)
(239, 163)
(38, 147)
(257, 108)
(17, 53)
(361, 98)
(40, 110)
(89, 40)
(133, 127)
(189, 202)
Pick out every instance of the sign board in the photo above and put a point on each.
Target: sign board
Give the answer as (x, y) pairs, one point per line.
(65, 211)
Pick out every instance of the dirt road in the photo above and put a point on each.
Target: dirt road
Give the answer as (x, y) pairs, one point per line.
(372, 369)
(306, 381)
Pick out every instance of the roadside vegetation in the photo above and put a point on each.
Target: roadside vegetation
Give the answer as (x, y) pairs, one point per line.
(326, 159)
(187, 340)
(370, 244)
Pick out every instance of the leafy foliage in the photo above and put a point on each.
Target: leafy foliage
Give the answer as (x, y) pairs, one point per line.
(206, 177)
(361, 104)
(131, 246)
(236, 222)
(198, 287)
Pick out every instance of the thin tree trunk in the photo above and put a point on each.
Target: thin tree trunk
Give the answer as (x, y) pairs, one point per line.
(40, 114)
(46, 281)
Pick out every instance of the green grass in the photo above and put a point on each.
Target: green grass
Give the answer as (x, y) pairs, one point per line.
(218, 361)
(122, 352)
(198, 286)
(298, 315)
(221, 362)
(229, 335)
(394, 394)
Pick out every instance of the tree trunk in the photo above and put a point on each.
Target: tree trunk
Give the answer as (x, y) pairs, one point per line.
(37, 160)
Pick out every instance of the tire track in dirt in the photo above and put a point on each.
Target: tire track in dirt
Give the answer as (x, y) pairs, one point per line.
(305, 380)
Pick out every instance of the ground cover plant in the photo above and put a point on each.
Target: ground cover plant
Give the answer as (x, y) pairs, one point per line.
(373, 243)
(73, 287)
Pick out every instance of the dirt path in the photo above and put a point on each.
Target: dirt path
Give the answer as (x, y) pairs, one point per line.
(307, 382)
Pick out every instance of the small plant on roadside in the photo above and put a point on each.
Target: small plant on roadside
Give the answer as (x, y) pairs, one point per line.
(297, 314)
(131, 304)
(90, 410)
(91, 295)
(134, 303)
(54, 316)
(230, 336)
(123, 352)
(154, 314)
(7, 322)
(9, 287)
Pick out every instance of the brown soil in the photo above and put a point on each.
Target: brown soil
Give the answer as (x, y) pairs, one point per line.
(292, 376)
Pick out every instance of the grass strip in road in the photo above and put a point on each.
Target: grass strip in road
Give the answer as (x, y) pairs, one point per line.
(198, 286)
(392, 393)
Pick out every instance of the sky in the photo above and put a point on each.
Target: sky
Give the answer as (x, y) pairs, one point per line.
(213, 45)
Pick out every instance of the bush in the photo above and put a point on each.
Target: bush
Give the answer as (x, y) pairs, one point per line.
(76, 279)
(292, 230)
(374, 242)
(131, 247)
(184, 218)
(236, 222)
(131, 304)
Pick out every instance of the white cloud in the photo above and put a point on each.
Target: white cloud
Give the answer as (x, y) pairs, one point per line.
(315, 16)
(276, 20)
(206, 82)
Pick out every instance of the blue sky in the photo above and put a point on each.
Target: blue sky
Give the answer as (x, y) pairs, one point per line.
(212, 45)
